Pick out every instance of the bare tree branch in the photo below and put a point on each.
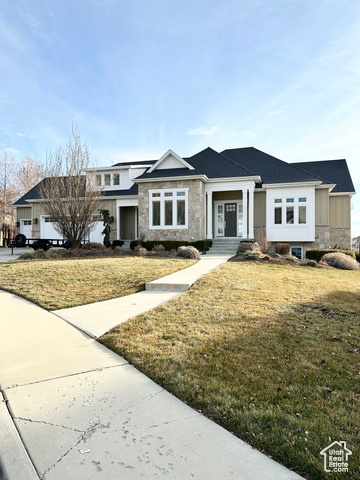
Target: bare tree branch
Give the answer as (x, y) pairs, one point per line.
(69, 193)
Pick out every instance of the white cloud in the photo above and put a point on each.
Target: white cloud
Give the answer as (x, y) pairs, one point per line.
(203, 131)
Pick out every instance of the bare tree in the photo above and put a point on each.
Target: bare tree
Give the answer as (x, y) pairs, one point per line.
(29, 173)
(70, 196)
(8, 194)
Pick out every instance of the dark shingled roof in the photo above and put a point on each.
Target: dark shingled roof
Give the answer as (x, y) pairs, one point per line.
(207, 162)
(271, 169)
(126, 163)
(34, 193)
(335, 171)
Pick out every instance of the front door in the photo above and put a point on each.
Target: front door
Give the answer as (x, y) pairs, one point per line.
(230, 219)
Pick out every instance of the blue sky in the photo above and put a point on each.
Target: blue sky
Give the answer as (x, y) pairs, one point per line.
(141, 77)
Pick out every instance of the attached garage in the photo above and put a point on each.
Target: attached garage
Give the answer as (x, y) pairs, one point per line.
(26, 227)
(47, 230)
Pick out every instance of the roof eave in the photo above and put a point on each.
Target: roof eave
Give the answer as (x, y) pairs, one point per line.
(292, 184)
(203, 178)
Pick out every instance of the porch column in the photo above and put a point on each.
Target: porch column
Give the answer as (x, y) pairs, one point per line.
(245, 214)
(251, 212)
(209, 234)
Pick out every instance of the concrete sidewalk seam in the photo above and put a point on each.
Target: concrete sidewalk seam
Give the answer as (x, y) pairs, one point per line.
(10, 387)
(12, 419)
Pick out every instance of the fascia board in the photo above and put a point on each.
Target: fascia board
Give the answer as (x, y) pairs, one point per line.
(171, 179)
(341, 194)
(291, 184)
(255, 179)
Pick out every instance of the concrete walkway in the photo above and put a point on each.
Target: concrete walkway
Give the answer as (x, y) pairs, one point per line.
(72, 409)
(98, 318)
(7, 256)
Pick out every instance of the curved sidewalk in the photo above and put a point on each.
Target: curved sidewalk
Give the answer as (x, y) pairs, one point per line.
(72, 409)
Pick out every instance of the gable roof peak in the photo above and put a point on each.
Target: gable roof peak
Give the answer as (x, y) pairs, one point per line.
(181, 163)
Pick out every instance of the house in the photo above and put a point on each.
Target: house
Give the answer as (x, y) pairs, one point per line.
(240, 193)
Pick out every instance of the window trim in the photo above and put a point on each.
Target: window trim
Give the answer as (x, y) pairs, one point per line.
(168, 195)
(301, 250)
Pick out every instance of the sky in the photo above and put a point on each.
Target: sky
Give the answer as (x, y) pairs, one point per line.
(140, 77)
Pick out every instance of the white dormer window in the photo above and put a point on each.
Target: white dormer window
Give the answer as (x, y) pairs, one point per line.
(116, 179)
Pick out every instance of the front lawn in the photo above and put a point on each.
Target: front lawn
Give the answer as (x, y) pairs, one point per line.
(269, 352)
(55, 284)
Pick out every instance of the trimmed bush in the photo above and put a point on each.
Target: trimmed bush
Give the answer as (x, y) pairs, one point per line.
(357, 257)
(93, 246)
(247, 247)
(140, 250)
(27, 256)
(117, 243)
(340, 260)
(311, 263)
(188, 252)
(168, 245)
(318, 253)
(40, 254)
(282, 249)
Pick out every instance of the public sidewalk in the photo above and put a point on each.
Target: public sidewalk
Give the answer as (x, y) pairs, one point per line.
(72, 409)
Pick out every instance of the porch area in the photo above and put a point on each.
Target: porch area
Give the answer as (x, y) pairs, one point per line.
(230, 213)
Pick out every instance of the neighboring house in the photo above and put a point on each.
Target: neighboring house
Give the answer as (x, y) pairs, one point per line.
(242, 193)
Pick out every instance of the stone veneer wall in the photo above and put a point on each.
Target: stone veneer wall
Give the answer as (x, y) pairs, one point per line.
(340, 237)
(196, 213)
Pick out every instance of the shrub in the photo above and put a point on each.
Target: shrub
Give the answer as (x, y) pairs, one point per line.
(188, 252)
(311, 263)
(140, 250)
(93, 246)
(168, 245)
(340, 260)
(318, 253)
(357, 257)
(282, 249)
(27, 256)
(40, 254)
(246, 247)
(158, 248)
(117, 243)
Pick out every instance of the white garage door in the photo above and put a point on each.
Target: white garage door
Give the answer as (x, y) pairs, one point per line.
(26, 228)
(47, 229)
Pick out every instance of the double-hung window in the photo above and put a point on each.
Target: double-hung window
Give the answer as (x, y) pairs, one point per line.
(168, 208)
(295, 211)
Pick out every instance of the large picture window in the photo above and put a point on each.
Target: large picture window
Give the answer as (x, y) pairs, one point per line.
(168, 208)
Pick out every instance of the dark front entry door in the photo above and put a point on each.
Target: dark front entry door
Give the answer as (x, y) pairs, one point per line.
(230, 219)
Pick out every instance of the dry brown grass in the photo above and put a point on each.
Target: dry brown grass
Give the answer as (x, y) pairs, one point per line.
(55, 284)
(270, 352)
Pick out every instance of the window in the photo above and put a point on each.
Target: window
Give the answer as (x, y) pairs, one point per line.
(302, 200)
(278, 216)
(289, 215)
(296, 252)
(156, 214)
(116, 179)
(180, 213)
(289, 200)
(98, 180)
(302, 214)
(168, 213)
(107, 178)
(27, 222)
(278, 200)
(168, 208)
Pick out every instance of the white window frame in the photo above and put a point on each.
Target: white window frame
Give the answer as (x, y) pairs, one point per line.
(301, 249)
(174, 198)
(294, 203)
